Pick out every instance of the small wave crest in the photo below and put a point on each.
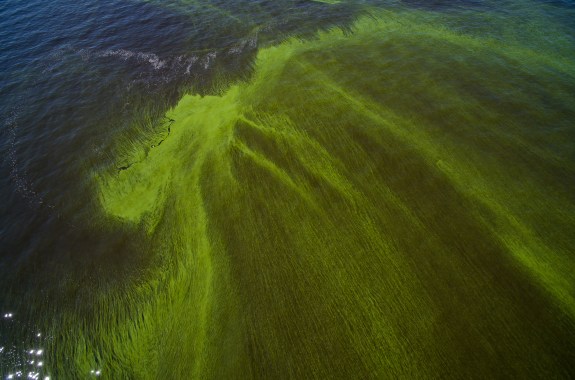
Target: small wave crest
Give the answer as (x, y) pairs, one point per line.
(195, 63)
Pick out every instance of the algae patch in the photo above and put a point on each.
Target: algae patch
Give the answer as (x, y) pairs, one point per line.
(140, 189)
(376, 204)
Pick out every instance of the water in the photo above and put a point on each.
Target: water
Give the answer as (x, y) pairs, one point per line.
(287, 189)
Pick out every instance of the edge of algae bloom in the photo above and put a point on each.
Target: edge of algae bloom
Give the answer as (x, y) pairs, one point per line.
(318, 220)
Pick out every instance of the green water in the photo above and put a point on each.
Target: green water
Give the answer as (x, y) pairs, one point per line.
(391, 202)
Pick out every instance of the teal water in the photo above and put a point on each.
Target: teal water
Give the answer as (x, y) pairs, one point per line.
(292, 189)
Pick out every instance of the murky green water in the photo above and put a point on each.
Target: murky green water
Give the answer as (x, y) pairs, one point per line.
(293, 190)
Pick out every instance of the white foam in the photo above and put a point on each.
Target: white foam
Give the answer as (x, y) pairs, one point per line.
(142, 57)
(120, 53)
(190, 62)
(206, 62)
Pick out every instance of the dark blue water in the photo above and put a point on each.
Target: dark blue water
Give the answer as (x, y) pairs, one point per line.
(77, 76)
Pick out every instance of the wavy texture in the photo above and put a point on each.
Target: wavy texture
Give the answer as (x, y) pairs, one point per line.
(394, 203)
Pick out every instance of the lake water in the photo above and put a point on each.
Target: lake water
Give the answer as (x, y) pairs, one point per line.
(287, 189)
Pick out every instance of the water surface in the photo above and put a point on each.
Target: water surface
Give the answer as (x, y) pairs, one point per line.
(287, 189)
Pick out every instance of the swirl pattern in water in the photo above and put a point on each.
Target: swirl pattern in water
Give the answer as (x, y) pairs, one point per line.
(287, 189)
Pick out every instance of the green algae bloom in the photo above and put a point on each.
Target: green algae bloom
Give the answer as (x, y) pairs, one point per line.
(389, 203)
